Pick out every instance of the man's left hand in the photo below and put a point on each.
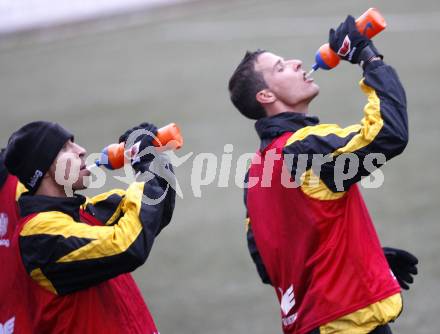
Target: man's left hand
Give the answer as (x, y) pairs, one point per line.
(403, 264)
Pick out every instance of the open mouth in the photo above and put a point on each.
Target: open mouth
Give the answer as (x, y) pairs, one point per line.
(84, 170)
(307, 78)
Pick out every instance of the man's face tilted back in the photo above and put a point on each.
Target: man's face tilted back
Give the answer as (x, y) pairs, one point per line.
(45, 159)
(70, 165)
(287, 85)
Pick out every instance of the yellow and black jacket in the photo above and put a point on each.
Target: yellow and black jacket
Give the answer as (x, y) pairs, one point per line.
(300, 235)
(383, 129)
(64, 254)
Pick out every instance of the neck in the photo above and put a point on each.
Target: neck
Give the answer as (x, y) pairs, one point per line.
(279, 107)
(49, 187)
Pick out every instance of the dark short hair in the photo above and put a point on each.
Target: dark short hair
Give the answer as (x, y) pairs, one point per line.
(244, 85)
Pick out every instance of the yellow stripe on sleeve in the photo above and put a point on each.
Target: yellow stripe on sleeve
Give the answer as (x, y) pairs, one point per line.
(322, 130)
(106, 240)
(370, 126)
(368, 129)
(372, 123)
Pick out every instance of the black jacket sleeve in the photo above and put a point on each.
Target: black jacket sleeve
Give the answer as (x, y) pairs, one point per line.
(64, 256)
(252, 245)
(381, 134)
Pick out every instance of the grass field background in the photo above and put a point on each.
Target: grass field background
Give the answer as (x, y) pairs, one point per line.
(173, 64)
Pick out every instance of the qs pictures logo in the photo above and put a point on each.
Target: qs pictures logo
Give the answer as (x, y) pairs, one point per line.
(3, 224)
(3, 229)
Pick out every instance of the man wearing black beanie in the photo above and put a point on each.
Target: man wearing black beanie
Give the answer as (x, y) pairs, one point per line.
(79, 251)
(32, 150)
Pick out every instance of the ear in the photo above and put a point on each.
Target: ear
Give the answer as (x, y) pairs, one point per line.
(265, 96)
(52, 170)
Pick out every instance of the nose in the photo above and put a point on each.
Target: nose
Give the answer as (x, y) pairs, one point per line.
(297, 64)
(80, 150)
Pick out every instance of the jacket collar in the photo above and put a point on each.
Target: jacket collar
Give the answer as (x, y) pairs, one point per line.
(269, 128)
(30, 204)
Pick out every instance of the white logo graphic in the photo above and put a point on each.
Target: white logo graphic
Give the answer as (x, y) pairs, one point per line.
(8, 327)
(392, 275)
(3, 230)
(345, 47)
(287, 300)
(38, 174)
(3, 224)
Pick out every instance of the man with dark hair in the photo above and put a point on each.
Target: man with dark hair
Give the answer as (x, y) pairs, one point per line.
(244, 85)
(312, 239)
(72, 256)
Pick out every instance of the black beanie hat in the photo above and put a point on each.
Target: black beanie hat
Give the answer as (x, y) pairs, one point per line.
(32, 149)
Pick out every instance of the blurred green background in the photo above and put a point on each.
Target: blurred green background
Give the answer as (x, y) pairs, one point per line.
(172, 65)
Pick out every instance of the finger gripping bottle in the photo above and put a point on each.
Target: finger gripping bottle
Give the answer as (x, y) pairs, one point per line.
(368, 24)
(168, 138)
